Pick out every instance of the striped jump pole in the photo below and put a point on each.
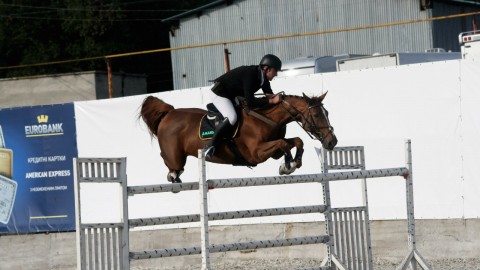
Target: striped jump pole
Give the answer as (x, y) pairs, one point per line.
(229, 247)
(274, 180)
(228, 215)
(307, 178)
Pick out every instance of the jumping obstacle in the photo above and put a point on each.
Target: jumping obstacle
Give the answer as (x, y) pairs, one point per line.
(106, 246)
(348, 227)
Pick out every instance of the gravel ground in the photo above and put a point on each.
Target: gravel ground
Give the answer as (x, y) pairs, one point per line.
(279, 264)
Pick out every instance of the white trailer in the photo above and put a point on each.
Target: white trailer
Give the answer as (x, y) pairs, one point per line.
(312, 64)
(470, 44)
(394, 59)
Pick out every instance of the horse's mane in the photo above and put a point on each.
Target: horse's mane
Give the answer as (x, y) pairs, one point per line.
(316, 99)
(269, 108)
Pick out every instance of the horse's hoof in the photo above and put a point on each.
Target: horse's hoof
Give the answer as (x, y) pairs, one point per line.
(284, 170)
(299, 164)
(176, 181)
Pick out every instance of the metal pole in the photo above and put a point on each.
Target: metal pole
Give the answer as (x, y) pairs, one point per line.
(203, 187)
(125, 233)
(228, 215)
(413, 258)
(109, 78)
(305, 178)
(328, 223)
(226, 54)
(409, 189)
(253, 245)
(409, 197)
(80, 238)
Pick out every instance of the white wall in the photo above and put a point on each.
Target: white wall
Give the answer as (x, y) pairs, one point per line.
(436, 105)
(379, 108)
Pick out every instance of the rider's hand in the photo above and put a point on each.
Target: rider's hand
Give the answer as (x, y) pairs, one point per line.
(275, 99)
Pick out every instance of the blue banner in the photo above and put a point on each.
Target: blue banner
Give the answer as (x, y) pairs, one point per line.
(37, 145)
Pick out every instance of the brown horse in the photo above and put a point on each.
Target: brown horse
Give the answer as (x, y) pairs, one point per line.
(258, 138)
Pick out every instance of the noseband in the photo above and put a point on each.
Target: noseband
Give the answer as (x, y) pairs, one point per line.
(310, 123)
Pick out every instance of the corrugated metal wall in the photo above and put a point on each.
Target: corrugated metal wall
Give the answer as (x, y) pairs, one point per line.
(445, 32)
(249, 19)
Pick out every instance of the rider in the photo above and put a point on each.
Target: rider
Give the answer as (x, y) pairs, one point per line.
(242, 81)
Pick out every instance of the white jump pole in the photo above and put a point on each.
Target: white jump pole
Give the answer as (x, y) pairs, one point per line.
(203, 188)
(309, 209)
(172, 187)
(413, 256)
(306, 178)
(159, 253)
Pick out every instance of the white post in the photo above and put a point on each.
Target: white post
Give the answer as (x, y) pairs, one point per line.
(203, 187)
(125, 233)
(413, 258)
(409, 189)
(78, 216)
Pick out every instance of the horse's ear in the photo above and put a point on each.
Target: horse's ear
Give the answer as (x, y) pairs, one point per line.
(305, 97)
(322, 96)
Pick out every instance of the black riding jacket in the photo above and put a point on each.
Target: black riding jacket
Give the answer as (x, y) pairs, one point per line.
(243, 81)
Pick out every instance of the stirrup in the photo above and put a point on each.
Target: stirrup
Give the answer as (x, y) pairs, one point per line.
(209, 152)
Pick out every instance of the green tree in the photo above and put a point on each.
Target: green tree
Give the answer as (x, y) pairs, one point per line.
(59, 30)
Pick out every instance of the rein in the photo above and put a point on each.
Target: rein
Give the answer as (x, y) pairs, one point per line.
(239, 101)
(309, 121)
(260, 117)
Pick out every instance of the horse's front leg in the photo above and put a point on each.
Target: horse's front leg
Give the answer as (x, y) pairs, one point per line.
(298, 143)
(266, 150)
(289, 166)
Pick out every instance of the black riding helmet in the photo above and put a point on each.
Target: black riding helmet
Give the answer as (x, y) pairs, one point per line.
(271, 61)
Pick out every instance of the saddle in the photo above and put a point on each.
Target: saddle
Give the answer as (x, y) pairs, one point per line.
(210, 120)
(207, 129)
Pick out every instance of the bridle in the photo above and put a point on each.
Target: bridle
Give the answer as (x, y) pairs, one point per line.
(308, 122)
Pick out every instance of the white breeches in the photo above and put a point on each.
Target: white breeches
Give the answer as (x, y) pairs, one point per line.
(225, 107)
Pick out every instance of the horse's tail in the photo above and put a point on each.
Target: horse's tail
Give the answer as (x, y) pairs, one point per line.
(152, 112)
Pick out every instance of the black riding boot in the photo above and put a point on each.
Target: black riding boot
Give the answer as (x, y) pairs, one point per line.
(219, 133)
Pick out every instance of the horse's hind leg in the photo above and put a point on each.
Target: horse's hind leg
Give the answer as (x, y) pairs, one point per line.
(175, 165)
(174, 176)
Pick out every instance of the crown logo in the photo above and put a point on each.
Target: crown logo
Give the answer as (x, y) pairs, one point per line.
(42, 118)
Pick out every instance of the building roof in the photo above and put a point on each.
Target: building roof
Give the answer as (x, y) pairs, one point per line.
(196, 11)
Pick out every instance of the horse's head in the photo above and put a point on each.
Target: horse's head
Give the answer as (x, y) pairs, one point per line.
(315, 121)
